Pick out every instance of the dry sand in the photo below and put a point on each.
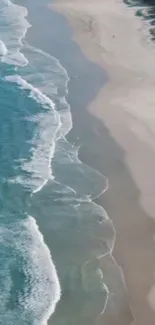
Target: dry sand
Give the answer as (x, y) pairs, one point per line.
(109, 33)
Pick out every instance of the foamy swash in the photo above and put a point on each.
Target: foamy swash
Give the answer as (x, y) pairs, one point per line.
(38, 299)
(38, 76)
(13, 18)
(48, 124)
(42, 291)
(38, 167)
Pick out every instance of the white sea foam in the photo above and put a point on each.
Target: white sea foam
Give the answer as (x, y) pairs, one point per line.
(48, 126)
(44, 271)
(37, 300)
(35, 93)
(40, 80)
(43, 73)
(42, 289)
(43, 143)
(3, 49)
(48, 66)
(48, 75)
(13, 29)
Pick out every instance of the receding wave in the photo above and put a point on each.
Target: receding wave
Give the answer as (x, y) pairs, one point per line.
(43, 144)
(52, 157)
(13, 22)
(60, 191)
(3, 49)
(29, 283)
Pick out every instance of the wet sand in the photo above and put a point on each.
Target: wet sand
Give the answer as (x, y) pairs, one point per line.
(121, 145)
(117, 138)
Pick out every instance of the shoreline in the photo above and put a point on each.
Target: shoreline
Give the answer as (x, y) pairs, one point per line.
(94, 132)
(92, 78)
(72, 135)
(130, 127)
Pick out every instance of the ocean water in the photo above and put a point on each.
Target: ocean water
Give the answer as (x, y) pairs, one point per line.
(52, 234)
(146, 10)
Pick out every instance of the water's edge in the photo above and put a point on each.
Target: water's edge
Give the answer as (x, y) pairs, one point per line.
(76, 75)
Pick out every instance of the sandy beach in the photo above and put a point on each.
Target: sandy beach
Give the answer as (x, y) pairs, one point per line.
(110, 35)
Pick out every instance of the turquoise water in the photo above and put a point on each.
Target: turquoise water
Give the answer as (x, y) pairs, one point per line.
(51, 233)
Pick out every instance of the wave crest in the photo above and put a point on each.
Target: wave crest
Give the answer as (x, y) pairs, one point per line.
(30, 263)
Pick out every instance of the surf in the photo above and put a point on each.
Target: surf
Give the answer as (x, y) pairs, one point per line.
(52, 171)
(13, 22)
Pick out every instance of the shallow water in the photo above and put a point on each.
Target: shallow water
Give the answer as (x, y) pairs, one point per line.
(43, 182)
